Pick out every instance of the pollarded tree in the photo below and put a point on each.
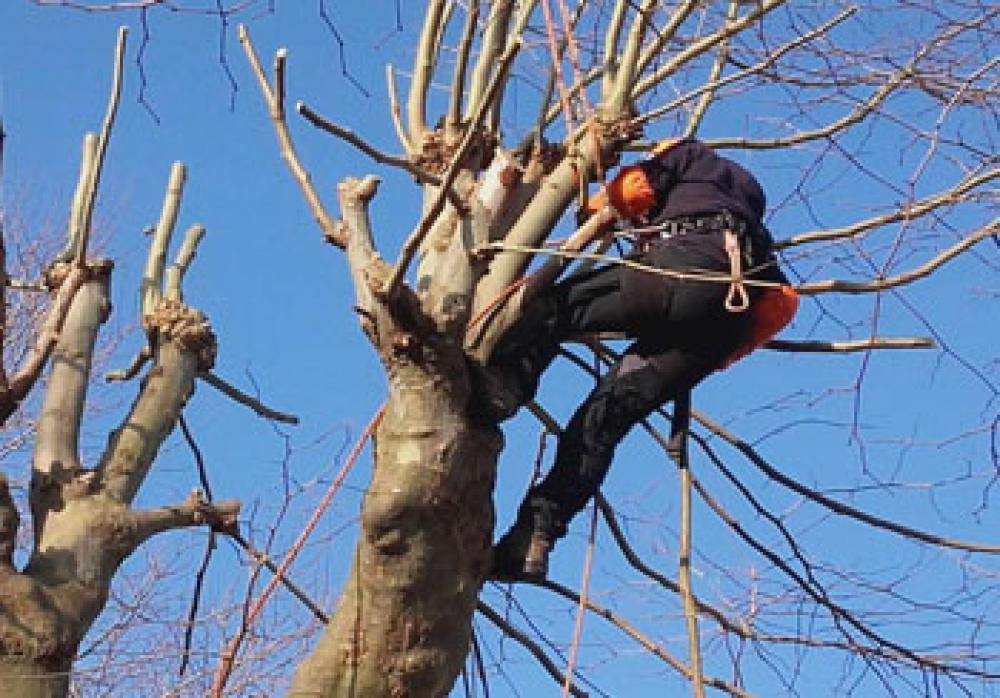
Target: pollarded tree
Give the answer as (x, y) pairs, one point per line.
(873, 128)
(82, 520)
(876, 123)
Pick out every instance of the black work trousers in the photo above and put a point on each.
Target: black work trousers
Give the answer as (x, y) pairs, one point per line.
(681, 333)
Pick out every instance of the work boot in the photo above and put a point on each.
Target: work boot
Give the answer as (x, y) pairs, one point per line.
(523, 552)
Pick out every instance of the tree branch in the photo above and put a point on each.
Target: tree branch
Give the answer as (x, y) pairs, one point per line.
(219, 516)
(908, 212)
(423, 69)
(365, 147)
(231, 391)
(530, 645)
(185, 255)
(151, 286)
(276, 110)
(454, 114)
(832, 505)
(45, 342)
(87, 212)
(647, 644)
(710, 86)
(412, 243)
(701, 46)
(883, 284)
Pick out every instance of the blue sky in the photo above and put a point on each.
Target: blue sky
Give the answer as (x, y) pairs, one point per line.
(280, 302)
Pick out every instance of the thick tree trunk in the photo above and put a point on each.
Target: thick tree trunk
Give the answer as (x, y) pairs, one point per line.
(37, 644)
(404, 620)
(33, 679)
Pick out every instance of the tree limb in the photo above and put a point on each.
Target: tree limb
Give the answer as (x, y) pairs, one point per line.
(231, 391)
(530, 645)
(908, 212)
(412, 243)
(276, 110)
(219, 516)
(423, 68)
(885, 283)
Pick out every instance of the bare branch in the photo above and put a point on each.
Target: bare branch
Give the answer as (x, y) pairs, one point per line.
(185, 255)
(220, 516)
(86, 215)
(461, 66)
(48, 334)
(366, 148)
(327, 225)
(924, 270)
(423, 68)
(710, 86)
(491, 49)
(151, 287)
(832, 505)
(412, 243)
(647, 644)
(394, 111)
(701, 46)
(694, 121)
(527, 643)
(629, 66)
(132, 370)
(253, 403)
(908, 212)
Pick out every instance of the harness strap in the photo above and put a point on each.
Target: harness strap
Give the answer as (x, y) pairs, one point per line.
(737, 300)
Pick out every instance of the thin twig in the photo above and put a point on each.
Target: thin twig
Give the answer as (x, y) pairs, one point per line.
(527, 643)
(352, 138)
(581, 607)
(882, 284)
(647, 644)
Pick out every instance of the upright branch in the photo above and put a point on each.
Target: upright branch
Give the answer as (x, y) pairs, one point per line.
(423, 69)
(274, 98)
(183, 346)
(95, 149)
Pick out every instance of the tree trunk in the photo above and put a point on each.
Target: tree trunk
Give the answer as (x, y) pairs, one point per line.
(33, 679)
(404, 621)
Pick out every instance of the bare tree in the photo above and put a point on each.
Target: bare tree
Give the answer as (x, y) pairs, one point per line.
(809, 87)
(876, 125)
(83, 523)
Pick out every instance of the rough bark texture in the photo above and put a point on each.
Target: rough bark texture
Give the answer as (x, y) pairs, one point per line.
(84, 526)
(403, 624)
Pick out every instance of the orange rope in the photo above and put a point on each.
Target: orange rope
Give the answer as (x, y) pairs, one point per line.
(229, 656)
(550, 32)
(574, 60)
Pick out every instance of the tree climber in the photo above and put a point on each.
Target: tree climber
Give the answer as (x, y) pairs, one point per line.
(697, 219)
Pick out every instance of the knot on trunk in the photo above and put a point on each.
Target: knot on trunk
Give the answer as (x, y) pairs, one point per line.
(58, 272)
(174, 321)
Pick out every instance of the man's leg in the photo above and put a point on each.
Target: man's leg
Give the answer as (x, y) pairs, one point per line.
(584, 302)
(640, 382)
